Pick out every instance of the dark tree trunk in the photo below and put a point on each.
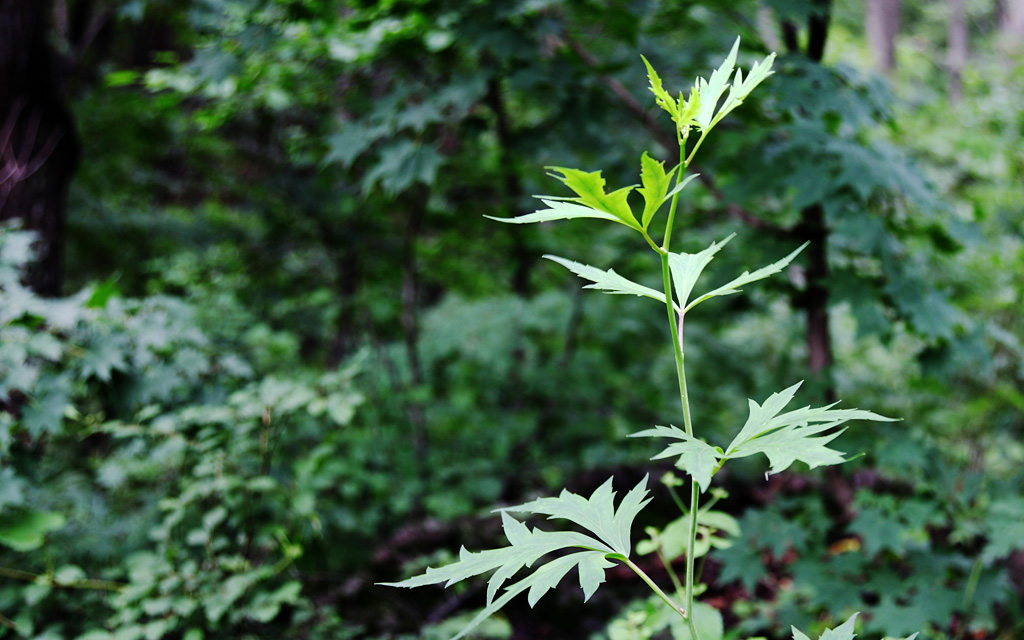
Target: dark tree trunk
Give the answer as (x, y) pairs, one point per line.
(813, 227)
(38, 143)
(882, 24)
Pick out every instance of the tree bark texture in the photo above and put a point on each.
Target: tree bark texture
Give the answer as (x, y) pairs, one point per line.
(882, 23)
(814, 228)
(38, 143)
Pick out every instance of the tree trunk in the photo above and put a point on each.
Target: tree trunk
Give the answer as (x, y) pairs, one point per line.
(882, 23)
(38, 143)
(956, 53)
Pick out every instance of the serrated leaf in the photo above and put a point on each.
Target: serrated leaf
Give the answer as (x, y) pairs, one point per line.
(608, 281)
(741, 87)
(661, 97)
(687, 267)
(711, 91)
(558, 210)
(589, 186)
(787, 437)
(696, 457)
(655, 186)
(842, 632)
(748, 277)
(597, 514)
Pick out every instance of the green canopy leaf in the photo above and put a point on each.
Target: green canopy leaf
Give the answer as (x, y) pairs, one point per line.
(608, 281)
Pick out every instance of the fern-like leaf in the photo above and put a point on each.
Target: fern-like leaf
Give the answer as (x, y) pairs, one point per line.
(610, 528)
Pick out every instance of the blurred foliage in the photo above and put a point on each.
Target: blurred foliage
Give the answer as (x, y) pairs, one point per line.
(301, 359)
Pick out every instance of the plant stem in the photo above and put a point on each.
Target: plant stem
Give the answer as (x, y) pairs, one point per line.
(677, 349)
(650, 583)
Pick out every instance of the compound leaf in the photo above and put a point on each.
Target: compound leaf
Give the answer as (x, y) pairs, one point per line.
(687, 267)
(610, 527)
(589, 186)
(661, 97)
(558, 210)
(787, 437)
(598, 513)
(696, 457)
(711, 91)
(748, 277)
(608, 281)
(655, 186)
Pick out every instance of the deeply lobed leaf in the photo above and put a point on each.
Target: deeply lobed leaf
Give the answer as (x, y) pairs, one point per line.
(748, 277)
(608, 281)
(696, 457)
(787, 437)
(610, 526)
(589, 186)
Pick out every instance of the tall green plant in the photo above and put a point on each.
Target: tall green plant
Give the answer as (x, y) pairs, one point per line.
(783, 436)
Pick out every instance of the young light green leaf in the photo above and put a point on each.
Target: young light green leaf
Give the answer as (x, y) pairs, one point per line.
(608, 281)
(788, 437)
(589, 186)
(741, 88)
(687, 267)
(558, 210)
(655, 186)
(711, 91)
(747, 277)
(598, 514)
(696, 457)
(661, 97)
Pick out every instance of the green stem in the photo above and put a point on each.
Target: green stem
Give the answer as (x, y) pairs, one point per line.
(677, 350)
(671, 572)
(650, 583)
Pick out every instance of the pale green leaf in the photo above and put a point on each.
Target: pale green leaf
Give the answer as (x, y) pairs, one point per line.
(711, 91)
(679, 187)
(655, 186)
(842, 632)
(748, 277)
(687, 267)
(589, 186)
(598, 514)
(558, 210)
(592, 565)
(696, 457)
(608, 281)
(741, 88)
(788, 437)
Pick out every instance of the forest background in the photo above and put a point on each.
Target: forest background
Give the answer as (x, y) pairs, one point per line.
(259, 348)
